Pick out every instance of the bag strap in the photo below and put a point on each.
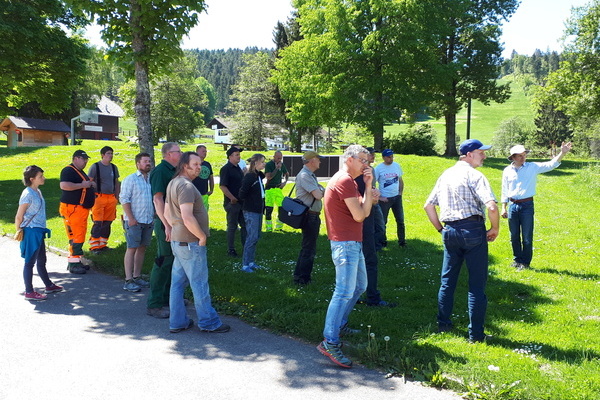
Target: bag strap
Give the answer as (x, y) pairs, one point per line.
(98, 179)
(290, 195)
(293, 187)
(83, 190)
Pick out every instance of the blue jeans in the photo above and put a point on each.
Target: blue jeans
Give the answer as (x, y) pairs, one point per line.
(253, 228)
(395, 204)
(191, 268)
(520, 222)
(306, 258)
(350, 283)
(464, 241)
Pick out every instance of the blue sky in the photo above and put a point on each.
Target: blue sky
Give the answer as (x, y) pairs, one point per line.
(537, 24)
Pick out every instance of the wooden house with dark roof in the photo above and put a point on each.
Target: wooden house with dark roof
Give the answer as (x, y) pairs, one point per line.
(107, 127)
(32, 132)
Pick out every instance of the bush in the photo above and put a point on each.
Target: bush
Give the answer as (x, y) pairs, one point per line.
(418, 139)
(512, 131)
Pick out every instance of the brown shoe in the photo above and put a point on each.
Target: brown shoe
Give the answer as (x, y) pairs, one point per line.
(162, 312)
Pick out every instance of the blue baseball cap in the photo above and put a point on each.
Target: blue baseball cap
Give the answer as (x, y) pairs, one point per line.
(472, 145)
(387, 153)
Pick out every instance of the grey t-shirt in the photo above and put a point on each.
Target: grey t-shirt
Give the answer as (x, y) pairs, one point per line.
(306, 182)
(180, 191)
(107, 178)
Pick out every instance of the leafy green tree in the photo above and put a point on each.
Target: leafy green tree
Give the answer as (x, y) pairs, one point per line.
(175, 101)
(207, 107)
(358, 62)
(40, 63)
(470, 53)
(144, 38)
(254, 105)
(575, 87)
(552, 127)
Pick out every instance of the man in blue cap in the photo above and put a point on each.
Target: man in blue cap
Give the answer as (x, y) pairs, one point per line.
(388, 175)
(462, 193)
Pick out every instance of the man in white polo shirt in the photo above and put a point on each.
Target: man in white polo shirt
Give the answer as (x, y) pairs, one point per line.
(388, 175)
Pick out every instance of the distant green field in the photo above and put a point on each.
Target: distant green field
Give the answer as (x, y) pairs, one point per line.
(485, 120)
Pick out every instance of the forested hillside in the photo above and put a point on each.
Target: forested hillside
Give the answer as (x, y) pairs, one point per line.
(221, 69)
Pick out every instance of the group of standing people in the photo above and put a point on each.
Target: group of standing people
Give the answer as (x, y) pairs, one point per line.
(172, 201)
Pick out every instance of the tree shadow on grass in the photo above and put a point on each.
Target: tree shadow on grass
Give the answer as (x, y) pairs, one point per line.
(577, 275)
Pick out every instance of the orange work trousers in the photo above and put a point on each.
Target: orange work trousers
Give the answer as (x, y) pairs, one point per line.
(104, 213)
(75, 218)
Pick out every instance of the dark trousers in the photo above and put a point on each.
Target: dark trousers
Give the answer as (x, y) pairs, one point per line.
(395, 204)
(38, 258)
(371, 260)
(306, 258)
(235, 217)
(160, 277)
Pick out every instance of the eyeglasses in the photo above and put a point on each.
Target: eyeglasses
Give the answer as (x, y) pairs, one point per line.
(176, 151)
(362, 160)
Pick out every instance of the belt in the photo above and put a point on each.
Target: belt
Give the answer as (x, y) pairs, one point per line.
(471, 218)
(520, 200)
(183, 243)
(314, 212)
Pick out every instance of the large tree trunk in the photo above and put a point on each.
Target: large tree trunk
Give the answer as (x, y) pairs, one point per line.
(450, 135)
(142, 90)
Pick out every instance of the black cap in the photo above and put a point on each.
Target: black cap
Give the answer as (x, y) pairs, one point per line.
(232, 150)
(371, 150)
(80, 153)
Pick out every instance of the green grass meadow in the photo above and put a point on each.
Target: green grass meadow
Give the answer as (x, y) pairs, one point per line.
(544, 321)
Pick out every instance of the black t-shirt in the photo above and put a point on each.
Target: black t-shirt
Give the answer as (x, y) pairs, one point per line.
(201, 182)
(231, 176)
(68, 174)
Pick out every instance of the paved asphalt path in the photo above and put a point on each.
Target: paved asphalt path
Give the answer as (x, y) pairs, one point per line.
(95, 341)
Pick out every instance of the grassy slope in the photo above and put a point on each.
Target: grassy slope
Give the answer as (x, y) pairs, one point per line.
(485, 120)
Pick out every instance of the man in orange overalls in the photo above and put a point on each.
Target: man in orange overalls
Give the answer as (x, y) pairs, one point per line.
(105, 175)
(78, 196)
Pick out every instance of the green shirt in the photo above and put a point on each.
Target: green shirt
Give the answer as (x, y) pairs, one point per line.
(276, 177)
(160, 177)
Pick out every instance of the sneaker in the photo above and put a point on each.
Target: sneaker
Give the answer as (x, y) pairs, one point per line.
(131, 286)
(54, 288)
(247, 268)
(141, 282)
(346, 330)
(77, 268)
(445, 328)
(222, 329)
(334, 353)
(515, 264)
(161, 312)
(382, 303)
(35, 296)
(483, 339)
(255, 266)
(177, 330)
(521, 267)
(232, 253)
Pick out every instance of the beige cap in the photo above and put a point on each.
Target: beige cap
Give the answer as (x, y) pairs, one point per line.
(309, 155)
